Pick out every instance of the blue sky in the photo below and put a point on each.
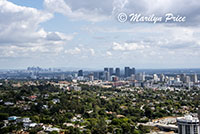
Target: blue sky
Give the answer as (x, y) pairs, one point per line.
(87, 34)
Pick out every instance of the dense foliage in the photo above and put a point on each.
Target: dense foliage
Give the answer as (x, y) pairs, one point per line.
(97, 109)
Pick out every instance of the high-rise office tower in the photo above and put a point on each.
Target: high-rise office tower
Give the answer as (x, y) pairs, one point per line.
(105, 69)
(91, 77)
(107, 76)
(140, 76)
(126, 71)
(80, 73)
(183, 77)
(132, 71)
(155, 77)
(187, 80)
(111, 71)
(117, 72)
(162, 78)
(194, 78)
(101, 75)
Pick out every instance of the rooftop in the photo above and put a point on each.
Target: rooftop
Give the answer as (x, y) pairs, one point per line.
(187, 118)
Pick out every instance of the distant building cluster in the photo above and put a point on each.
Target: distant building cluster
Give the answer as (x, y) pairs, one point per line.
(109, 74)
(112, 77)
(129, 77)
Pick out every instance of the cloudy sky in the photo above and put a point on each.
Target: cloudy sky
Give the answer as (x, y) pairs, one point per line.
(87, 34)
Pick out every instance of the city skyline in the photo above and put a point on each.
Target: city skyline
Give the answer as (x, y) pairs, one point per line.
(100, 68)
(64, 33)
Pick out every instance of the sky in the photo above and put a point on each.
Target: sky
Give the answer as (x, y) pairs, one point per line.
(88, 34)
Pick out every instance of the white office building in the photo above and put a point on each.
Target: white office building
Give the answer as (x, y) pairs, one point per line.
(188, 125)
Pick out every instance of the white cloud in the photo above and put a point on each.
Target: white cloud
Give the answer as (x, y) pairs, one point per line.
(108, 53)
(93, 10)
(128, 46)
(57, 36)
(20, 24)
(92, 51)
(22, 35)
(74, 51)
(81, 51)
(61, 6)
(156, 37)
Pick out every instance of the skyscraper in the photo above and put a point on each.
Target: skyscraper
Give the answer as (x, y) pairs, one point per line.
(140, 76)
(194, 78)
(107, 76)
(132, 71)
(183, 77)
(126, 71)
(105, 69)
(111, 71)
(187, 80)
(101, 75)
(162, 78)
(80, 73)
(117, 72)
(155, 77)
